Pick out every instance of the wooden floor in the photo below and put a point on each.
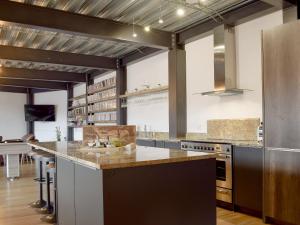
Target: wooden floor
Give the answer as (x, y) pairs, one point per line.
(15, 197)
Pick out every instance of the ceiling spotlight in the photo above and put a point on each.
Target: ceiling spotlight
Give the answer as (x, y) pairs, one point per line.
(160, 21)
(180, 12)
(147, 28)
(134, 35)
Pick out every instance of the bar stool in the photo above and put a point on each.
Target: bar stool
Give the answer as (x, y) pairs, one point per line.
(39, 178)
(47, 160)
(52, 217)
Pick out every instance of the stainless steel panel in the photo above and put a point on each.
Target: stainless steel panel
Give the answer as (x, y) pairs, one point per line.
(281, 68)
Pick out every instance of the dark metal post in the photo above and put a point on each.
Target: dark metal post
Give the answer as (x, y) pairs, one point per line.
(30, 101)
(70, 130)
(121, 89)
(177, 92)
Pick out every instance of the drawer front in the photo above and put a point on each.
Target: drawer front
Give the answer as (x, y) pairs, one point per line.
(224, 195)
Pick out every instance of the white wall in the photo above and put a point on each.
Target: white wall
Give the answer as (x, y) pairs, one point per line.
(152, 111)
(200, 71)
(45, 131)
(12, 116)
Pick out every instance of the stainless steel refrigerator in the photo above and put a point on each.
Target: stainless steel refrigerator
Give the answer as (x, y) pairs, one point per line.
(281, 84)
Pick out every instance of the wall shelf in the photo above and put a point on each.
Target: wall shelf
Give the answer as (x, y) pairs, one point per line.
(77, 106)
(103, 121)
(145, 92)
(102, 89)
(77, 97)
(103, 110)
(102, 100)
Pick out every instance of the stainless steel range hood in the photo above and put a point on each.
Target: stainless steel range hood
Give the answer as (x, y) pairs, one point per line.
(224, 63)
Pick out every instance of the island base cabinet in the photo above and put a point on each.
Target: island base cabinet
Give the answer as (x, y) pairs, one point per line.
(88, 196)
(165, 194)
(65, 192)
(79, 194)
(162, 194)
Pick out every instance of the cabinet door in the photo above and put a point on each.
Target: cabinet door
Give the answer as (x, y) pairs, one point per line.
(65, 192)
(172, 144)
(89, 196)
(248, 178)
(146, 142)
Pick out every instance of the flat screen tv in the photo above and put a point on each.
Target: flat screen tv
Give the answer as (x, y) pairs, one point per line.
(39, 113)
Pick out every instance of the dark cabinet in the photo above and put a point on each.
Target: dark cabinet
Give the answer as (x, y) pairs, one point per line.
(172, 144)
(248, 179)
(145, 142)
(158, 143)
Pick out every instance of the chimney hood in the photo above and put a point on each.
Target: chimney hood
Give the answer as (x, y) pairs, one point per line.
(224, 63)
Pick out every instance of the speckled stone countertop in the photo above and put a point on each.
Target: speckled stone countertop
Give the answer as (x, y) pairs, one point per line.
(241, 143)
(118, 158)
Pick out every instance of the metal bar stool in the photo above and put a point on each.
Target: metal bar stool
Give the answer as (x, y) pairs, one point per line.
(46, 161)
(39, 178)
(52, 217)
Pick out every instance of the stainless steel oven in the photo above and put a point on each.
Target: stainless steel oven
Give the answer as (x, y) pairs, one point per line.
(223, 165)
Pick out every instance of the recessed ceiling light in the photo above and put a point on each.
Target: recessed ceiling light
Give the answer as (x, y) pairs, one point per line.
(180, 12)
(134, 35)
(160, 21)
(147, 28)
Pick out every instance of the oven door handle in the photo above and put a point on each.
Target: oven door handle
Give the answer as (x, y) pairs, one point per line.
(223, 157)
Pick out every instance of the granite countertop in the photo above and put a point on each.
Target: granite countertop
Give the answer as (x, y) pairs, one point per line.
(118, 158)
(241, 143)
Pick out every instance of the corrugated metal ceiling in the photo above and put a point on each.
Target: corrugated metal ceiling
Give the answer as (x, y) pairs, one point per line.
(145, 12)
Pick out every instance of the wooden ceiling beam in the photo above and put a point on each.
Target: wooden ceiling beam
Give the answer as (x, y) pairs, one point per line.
(46, 75)
(281, 4)
(55, 57)
(13, 89)
(33, 84)
(49, 19)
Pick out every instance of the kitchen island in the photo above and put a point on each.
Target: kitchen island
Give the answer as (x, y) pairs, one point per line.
(141, 186)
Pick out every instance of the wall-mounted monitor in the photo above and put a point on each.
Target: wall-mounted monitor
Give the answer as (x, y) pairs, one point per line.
(39, 113)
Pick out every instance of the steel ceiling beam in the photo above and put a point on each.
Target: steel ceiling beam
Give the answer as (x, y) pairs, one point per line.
(13, 89)
(76, 24)
(33, 84)
(281, 4)
(30, 74)
(253, 9)
(139, 55)
(55, 57)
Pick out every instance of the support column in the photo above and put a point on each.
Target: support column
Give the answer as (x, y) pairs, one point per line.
(30, 101)
(89, 81)
(177, 92)
(121, 89)
(70, 130)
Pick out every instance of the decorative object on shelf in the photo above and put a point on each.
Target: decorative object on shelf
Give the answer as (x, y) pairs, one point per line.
(58, 133)
(146, 91)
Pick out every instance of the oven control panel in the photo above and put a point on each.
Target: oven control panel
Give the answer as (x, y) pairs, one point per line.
(206, 147)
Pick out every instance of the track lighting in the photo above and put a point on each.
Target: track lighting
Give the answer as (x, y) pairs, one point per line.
(133, 30)
(180, 12)
(147, 28)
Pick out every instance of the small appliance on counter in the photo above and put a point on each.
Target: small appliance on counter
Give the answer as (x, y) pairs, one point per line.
(223, 166)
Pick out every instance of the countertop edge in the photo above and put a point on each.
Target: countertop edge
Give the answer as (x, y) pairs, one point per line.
(124, 165)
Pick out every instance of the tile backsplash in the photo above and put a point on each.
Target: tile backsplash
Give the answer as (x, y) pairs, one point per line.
(233, 129)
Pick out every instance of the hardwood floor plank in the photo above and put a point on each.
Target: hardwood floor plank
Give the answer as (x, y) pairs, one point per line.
(16, 195)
